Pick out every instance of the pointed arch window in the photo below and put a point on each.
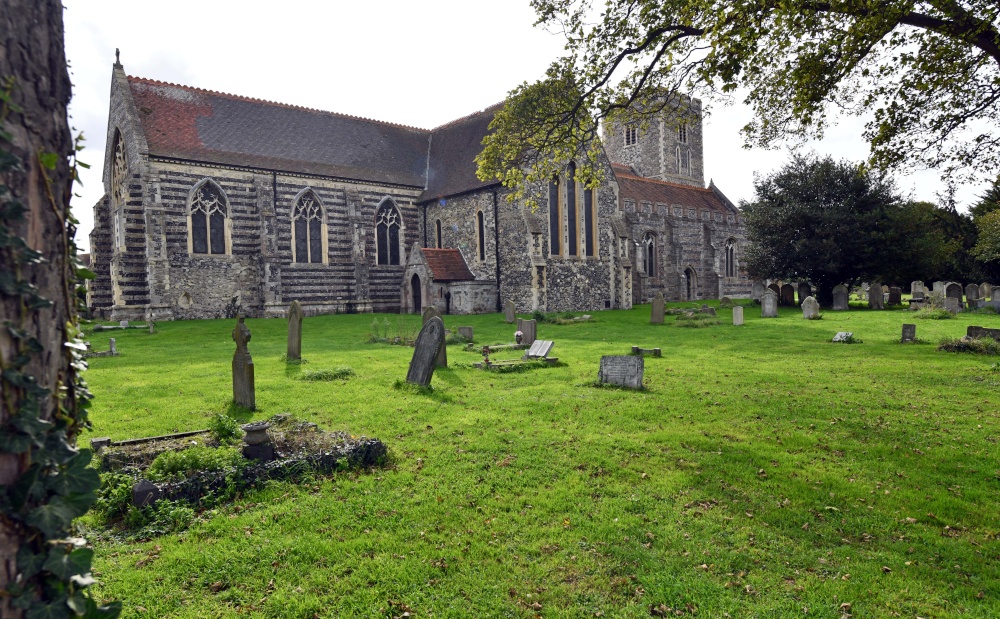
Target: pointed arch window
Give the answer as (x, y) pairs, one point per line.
(387, 228)
(571, 211)
(481, 235)
(437, 230)
(683, 160)
(649, 253)
(731, 258)
(308, 229)
(119, 191)
(589, 219)
(555, 218)
(208, 219)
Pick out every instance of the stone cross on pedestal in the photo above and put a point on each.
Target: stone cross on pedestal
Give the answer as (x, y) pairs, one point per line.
(294, 332)
(243, 388)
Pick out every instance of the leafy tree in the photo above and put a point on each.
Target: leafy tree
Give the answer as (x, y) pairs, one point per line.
(987, 247)
(927, 70)
(44, 479)
(988, 202)
(822, 221)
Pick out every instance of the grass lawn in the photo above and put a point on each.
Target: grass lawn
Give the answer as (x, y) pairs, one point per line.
(764, 472)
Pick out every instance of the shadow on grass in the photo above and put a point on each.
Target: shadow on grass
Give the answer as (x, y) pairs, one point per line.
(429, 392)
(239, 413)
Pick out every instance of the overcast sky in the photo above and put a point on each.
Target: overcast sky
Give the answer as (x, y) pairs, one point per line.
(419, 63)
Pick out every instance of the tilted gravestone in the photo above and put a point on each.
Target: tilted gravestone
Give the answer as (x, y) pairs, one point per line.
(738, 315)
(657, 311)
(843, 336)
(875, 298)
(895, 295)
(805, 290)
(810, 308)
(509, 311)
(757, 290)
(769, 304)
(623, 371)
(294, 332)
(425, 353)
(909, 334)
(429, 313)
(243, 387)
(528, 329)
(787, 295)
(841, 298)
(466, 332)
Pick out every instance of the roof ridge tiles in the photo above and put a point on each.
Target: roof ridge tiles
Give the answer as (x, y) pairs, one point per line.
(292, 106)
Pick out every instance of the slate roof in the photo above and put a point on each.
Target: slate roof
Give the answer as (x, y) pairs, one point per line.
(188, 123)
(447, 265)
(639, 189)
(451, 166)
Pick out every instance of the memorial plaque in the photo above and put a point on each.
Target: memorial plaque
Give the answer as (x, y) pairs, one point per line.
(624, 371)
(425, 353)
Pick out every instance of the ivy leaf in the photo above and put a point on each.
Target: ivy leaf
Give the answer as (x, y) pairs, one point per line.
(77, 603)
(56, 610)
(77, 478)
(28, 562)
(68, 564)
(48, 160)
(111, 611)
(14, 443)
(53, 518)
(79, 503)
(24, 486)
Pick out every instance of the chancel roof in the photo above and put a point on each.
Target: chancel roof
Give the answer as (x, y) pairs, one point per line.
(451, 165)
(447, 265)
(639, 189)
(181, 122)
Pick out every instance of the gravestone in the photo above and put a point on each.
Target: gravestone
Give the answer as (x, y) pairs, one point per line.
(624, 371)
(971, 295)
(757, 290)
(985, 291)
(425, 353)
(539, 350)
(707, 310)
(952, 304)
(657, 311)
(805, 290)
(429, 313)
(787, 295)
(909, 334)
(876, 300)
(528, 329)
(841, 298)
(953, 291)
(738, 315)
(113, 347)
(294, 332)
(769, 304)
(123, 324)
(895, 295)
(885, 289)
(810, 308)
(509, 311)
(466, 332)
(144, 493)
(243, 387)
(150, 325)
(725, 302)
(774, 288)
(938, 287)
(843, 336)
(977, 333)
(917, 287)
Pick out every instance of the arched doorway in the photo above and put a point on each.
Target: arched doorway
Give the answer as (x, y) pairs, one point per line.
(691, 283)
(415, 288)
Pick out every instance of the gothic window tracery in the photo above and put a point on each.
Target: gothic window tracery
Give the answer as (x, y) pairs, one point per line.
(731, 258)
(649, 253)
(208, 214)
(555, 218)
(387, 228)
(307, 229)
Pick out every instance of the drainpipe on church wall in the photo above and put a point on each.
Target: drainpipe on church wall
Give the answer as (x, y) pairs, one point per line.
(496, 246)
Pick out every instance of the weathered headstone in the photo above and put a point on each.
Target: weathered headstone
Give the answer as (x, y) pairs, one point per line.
(725, 302)
(805, 291)
(150, 324)
(876, 300)
(509, 312)
(843, 336)
(145, 492)
(985, 291)
(624, 371)
(123, 324)
(425, 353)
(429, 313)
(769, 304)
(757, 290)
(113, 347)
(466, 332)
(788, 295)
(738, 315)
(953, 291)
(294, 332)
(885, 289)
(909, 334)
(895, 295)
(707, 310)
(971, 295)
(938, 287)
(657, 311)
(810, 308)
(917, 287)
(952, 304)
(841, 298)
(528, 329)
(243, 387)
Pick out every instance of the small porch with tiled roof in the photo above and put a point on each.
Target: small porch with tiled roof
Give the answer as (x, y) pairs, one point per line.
(441, 278)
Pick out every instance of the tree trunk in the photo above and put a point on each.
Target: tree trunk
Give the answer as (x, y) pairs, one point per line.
(32, 58)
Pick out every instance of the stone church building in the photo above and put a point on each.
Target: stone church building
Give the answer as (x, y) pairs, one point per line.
(217, 204)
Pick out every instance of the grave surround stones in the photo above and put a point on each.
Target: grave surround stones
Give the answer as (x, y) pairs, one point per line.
(769, 304)
(295, 316)
(841, 298)
(707, 310)
(656, 352)
(895, 295)
(528, 329)
(623, 371)
(425, 353)
(243, 383)
(810, 308)
(738, 315)
(509, 311)
(909, 334)
(657, 311)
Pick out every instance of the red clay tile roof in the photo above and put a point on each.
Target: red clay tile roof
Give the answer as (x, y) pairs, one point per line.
(621, 168)
(201, 125)
(639, 190)
(447, 265)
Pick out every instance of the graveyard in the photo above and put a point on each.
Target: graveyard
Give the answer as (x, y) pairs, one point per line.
(761, 470)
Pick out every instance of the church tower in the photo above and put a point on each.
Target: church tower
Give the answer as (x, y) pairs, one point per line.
(667, 148)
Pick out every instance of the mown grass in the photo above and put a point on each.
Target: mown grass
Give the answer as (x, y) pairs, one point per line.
(764, 472)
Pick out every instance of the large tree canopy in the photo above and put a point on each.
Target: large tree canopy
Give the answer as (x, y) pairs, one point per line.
(928, 72)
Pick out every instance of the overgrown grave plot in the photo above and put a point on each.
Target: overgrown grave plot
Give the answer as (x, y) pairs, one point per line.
(512, 491)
